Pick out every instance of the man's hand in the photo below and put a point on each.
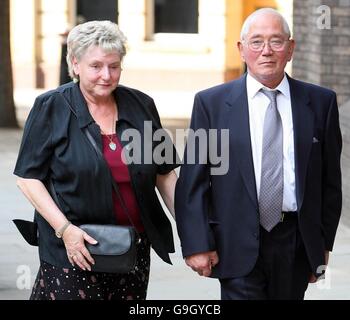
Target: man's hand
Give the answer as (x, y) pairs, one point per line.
(202, 262)
(313, 279)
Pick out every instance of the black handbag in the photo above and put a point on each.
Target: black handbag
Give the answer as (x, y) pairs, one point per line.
(116, 250)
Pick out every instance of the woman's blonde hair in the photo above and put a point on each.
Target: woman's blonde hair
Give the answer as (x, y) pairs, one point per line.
(104, 34)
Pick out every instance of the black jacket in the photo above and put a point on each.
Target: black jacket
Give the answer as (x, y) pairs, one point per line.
(54, 147)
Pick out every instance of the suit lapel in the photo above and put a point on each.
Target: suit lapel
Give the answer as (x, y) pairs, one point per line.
(240, 143)
(303, 126)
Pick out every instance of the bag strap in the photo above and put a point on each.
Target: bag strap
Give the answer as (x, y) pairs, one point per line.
(100, 155)
(114, 183)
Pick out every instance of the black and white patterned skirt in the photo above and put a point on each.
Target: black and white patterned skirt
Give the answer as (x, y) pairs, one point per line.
(55, 283)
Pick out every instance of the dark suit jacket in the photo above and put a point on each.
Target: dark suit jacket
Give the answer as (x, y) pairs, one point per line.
(220, 212)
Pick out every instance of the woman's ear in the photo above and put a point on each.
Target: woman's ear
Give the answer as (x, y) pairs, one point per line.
(75, 65)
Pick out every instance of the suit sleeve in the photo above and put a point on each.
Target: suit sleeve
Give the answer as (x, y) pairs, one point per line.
(332, 193)
(192, 194)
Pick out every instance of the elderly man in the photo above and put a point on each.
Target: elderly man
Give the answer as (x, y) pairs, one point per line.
(264, 228)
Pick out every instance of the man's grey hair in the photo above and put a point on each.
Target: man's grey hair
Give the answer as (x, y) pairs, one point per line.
(104, 34)
(247, 23)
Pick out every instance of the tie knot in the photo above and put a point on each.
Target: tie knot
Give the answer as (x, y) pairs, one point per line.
(271, 94)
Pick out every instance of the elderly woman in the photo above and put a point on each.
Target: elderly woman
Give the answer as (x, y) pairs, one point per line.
(55, 149)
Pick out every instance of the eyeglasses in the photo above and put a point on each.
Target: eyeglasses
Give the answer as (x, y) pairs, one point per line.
(259, 45)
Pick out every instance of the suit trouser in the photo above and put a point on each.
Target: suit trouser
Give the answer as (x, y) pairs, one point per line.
(282, 269)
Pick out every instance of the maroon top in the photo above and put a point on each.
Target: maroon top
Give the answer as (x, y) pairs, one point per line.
(120, 174)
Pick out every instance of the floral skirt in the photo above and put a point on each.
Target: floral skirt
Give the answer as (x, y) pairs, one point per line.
(55, 283)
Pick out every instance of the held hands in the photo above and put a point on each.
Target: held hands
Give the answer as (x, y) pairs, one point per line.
(313, 278)
(202, 262)
(74, 239)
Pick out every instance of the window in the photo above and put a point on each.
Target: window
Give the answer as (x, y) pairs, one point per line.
(180, 16)
(89, 10)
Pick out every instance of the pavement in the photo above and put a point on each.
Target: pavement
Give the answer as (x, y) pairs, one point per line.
(19, 261)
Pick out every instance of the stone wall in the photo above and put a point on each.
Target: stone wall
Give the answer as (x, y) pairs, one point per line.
(322, 53)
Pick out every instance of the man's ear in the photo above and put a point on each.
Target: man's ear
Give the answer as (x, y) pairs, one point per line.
(240, 48)
(291, 49)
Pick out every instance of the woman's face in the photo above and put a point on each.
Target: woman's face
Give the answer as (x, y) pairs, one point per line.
(99, 71)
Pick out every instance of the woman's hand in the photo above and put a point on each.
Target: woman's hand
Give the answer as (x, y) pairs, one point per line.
(74, 239)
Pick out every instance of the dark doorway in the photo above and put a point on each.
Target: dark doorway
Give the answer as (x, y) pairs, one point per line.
(180, 16)
(88, 10)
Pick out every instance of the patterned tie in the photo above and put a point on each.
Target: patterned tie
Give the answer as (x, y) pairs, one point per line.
(271, 184)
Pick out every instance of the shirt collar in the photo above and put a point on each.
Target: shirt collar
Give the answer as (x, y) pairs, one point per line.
(254, 86)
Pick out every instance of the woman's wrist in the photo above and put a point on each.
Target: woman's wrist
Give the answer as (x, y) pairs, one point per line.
(59, 232)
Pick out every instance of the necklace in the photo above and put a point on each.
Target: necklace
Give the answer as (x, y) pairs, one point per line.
(111, 144)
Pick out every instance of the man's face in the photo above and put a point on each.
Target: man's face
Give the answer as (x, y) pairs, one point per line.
(267, 63)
